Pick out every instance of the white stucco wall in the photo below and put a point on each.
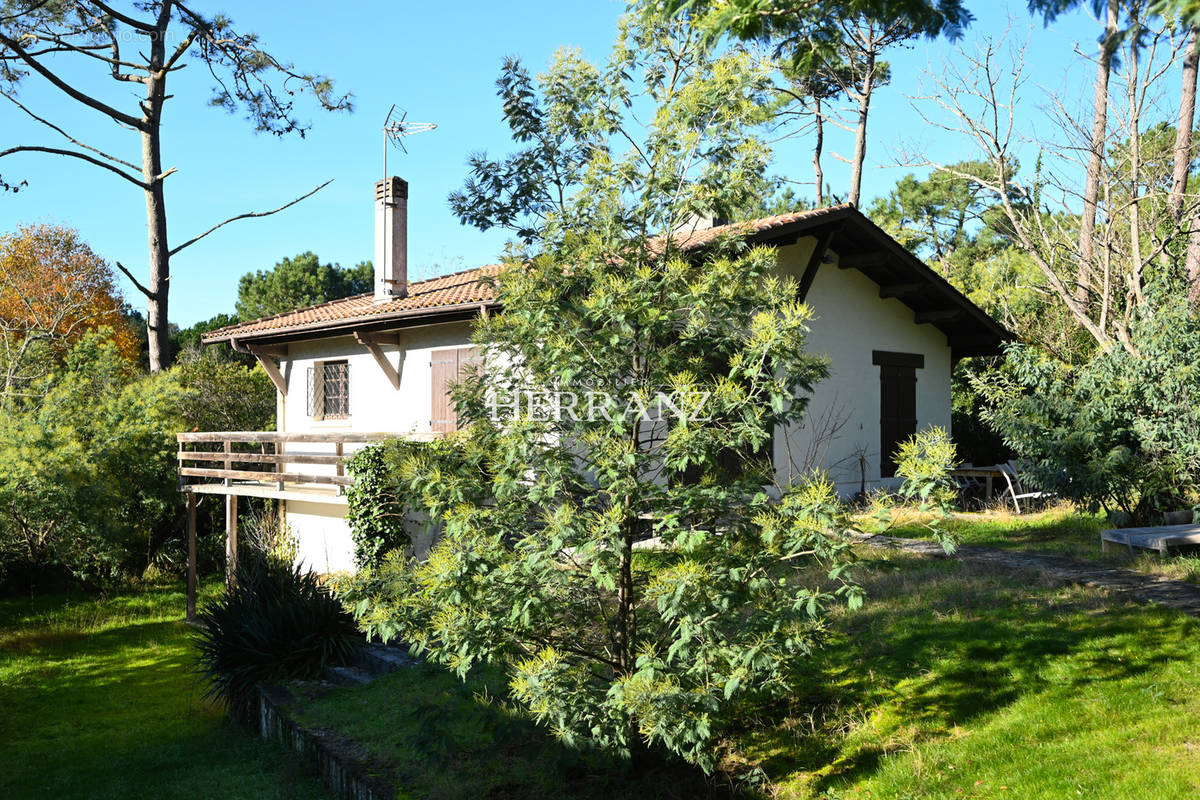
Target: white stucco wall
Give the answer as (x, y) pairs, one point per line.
(323, 542)
(850, 322)
(322, 535)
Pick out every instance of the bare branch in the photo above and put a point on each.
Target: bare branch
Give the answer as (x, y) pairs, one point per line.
(69, 90)
(72, 154)
(138, 284)
(249, 215)
(65, 135)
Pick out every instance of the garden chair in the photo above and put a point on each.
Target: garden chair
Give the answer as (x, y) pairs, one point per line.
(1015, 490)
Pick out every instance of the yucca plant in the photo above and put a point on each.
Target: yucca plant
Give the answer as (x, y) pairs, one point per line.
(276, 622)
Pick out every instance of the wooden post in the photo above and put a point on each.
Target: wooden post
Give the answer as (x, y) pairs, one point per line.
(228, 460)
(341, 454)
(191, 557)
(231, 537)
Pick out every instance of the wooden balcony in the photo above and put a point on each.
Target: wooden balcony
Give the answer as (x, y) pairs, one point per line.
(310, 467)
(282, 466)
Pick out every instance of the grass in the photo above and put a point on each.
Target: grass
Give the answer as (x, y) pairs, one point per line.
(956, 682)
(953, 681)
(1060, 530)
(99, 701)
(442, 738)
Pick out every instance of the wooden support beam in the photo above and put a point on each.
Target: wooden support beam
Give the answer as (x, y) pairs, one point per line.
(900, 289)
(270, 367)
(231, 538)
(871, 258)
(191, 557)
(372, 343)
(288, 438)
(937, 315)
(815, 259)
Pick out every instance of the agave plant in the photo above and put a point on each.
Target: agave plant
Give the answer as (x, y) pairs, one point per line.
(276, 622)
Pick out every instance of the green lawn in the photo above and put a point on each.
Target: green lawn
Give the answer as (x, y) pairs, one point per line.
(1060, 530)
(442, 738)
(1057, 530)
(956, 682)
(97, 700)
(953, 681)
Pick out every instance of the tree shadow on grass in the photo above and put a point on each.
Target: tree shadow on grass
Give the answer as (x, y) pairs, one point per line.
(940, 644)
(440, 737)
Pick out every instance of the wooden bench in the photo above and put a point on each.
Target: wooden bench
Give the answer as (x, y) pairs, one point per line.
(1157, 537)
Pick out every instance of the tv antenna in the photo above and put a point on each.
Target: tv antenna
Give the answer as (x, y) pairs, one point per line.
(395, 131)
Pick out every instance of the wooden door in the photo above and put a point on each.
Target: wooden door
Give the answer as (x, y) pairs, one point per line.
(897, 404)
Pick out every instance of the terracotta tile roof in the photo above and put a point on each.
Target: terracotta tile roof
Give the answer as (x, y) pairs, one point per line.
(445, 291)
(464, 289)
(704, 236)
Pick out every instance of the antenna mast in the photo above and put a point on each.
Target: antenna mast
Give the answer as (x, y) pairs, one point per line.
(395, 130)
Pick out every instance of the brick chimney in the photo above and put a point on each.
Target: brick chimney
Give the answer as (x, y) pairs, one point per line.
(391, 239)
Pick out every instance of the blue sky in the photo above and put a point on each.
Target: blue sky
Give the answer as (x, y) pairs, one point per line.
(440, 68)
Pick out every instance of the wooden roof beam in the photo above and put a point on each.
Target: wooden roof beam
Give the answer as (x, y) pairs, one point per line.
(266, 359)
(865, 260)
(373, 342)
(900, 289)
(937, 315)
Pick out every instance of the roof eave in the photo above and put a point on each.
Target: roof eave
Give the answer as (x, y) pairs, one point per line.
(336, 327)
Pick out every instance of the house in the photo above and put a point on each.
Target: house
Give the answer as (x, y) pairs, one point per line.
(354, 370)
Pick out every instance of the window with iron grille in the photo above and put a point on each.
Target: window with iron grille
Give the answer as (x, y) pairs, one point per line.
(329, 390)
(337, 389)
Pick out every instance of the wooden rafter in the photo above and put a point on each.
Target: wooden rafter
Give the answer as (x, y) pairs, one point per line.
(373, 344)
(266, 360)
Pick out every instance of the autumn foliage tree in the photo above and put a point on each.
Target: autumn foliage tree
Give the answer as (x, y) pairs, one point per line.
(54, 289)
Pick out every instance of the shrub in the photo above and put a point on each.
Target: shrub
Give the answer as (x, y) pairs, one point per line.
(375, 512)
(276, 622)
(1117, 432)
(87, 469)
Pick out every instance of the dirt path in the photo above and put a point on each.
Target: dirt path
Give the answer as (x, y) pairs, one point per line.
(1124, 583)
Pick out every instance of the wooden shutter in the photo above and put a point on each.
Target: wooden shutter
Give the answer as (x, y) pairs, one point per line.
(446, 368)
(443, 368)
(897, 404)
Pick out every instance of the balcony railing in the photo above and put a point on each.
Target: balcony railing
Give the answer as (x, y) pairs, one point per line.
(269, 464)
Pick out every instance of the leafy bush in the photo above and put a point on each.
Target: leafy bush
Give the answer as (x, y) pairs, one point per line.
(87, 469)
(276, 622)
(1117, 432)
(924, 461)
(218, 394)
(375, 511)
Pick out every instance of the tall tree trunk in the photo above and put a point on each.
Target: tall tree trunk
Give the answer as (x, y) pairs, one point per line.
(1091, 190)
(1183, 163)
(1135, 164)
(157, 319)
(1183, 127)
(860, 138)
(818, 173)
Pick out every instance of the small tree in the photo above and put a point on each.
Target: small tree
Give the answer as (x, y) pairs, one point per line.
(661, 372)
(53, 291)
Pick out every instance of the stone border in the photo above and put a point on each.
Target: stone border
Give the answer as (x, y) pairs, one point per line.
(344, 768)
(1126, 584)
(346, 774)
